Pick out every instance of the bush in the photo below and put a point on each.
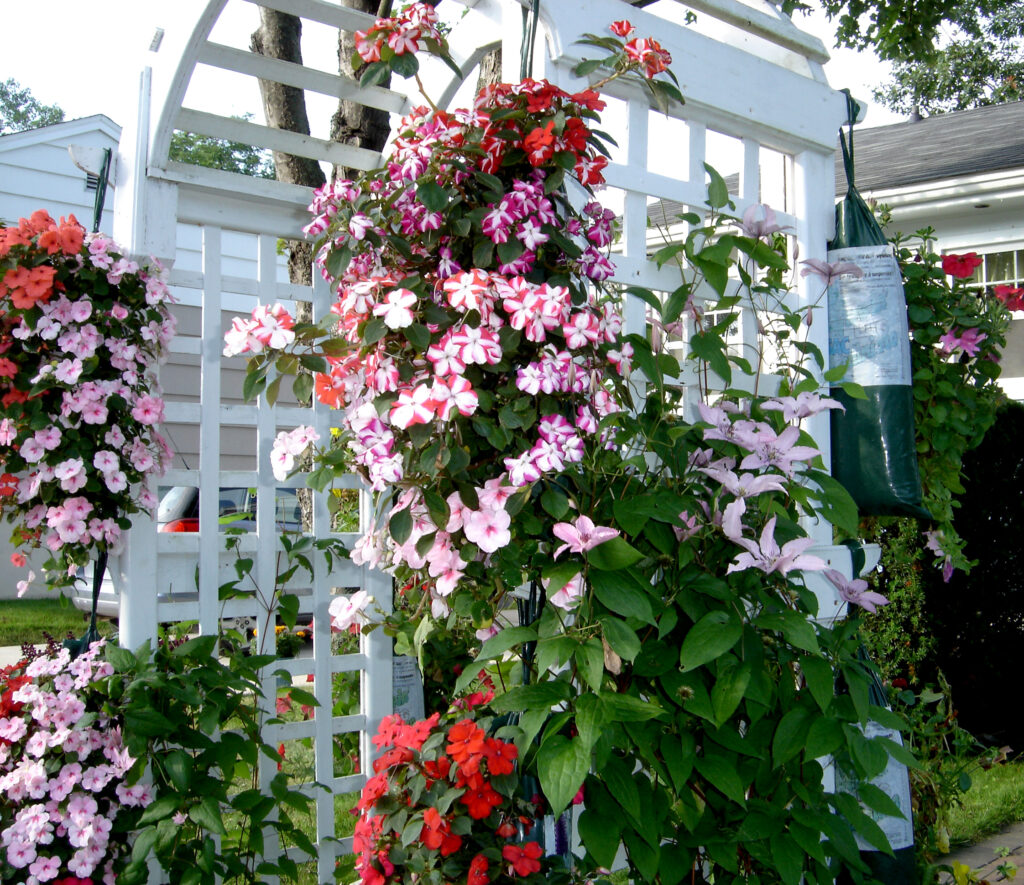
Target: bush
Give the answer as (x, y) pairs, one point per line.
(977, 618)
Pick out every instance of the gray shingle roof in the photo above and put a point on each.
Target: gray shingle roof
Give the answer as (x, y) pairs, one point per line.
(986, 139)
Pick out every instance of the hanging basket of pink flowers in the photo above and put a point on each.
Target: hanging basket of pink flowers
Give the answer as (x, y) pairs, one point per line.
(82, 331)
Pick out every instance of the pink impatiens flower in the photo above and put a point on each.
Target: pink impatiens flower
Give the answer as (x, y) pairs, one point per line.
(396, 309)
(347, 611)
(487, 528)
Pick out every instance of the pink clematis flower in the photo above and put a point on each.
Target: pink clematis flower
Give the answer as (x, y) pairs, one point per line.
(856, 591)
(759, 221)
(769, 450)
(569, 596)
(582, 535)
(830, 272)
(768, 557)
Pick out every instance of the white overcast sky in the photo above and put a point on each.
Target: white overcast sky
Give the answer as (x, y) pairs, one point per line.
(86, 56)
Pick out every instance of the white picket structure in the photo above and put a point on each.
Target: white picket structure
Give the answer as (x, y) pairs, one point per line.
(759, 82)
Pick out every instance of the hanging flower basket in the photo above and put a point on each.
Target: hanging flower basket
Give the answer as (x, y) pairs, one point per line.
(82, 331)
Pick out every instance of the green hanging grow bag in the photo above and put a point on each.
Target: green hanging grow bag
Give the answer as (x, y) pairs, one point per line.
(874, 451)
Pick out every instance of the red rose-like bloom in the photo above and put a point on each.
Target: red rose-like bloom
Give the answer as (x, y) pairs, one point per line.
(478, 871)
(961, 266)
(621, 28)
(524, 858)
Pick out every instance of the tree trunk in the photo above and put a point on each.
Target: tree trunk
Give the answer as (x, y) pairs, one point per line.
(352, 122)
(490, 69)
(279, 36)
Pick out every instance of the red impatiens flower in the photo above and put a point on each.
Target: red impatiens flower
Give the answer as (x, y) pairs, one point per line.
(478, 871)
(961, 266)
(480, 797)
(621, 28)
(501, 756)
(391, 758)
(466, 742)
(437, 834)
(540, 144)
(524, 859)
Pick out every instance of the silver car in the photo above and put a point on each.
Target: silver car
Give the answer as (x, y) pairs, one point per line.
(179, 512)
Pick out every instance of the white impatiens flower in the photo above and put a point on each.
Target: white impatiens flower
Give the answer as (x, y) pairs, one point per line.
(396, 309)
(349, 611)
(288, 444)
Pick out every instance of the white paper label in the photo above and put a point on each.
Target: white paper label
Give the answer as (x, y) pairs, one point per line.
(867, 319)
(407, 689)
(895, 783)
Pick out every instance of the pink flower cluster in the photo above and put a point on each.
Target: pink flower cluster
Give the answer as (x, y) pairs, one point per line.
(467, 295)
(268, 327)
(62, 772)
(402, 34)
(288, 445)
(772, 457)
(79, 399)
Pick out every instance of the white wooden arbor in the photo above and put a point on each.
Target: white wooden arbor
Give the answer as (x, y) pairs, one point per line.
(749, 77)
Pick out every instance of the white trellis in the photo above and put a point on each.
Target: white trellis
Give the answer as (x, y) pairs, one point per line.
(748, 75)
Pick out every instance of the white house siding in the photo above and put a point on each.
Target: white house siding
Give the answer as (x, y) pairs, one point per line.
(978, 213)
(36, 171)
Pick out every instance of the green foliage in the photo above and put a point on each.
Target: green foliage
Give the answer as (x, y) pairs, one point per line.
(968, 70)
(956, 394)
(902, 30)
(949, 757)
(20, 110)
(207, 782)
(220, 153)
(666, 656)
(899, 635)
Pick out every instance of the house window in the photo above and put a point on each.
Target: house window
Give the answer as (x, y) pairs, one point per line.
(1002, 268)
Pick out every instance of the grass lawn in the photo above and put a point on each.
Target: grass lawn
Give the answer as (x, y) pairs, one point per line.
(994, 801)
(25, 620)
